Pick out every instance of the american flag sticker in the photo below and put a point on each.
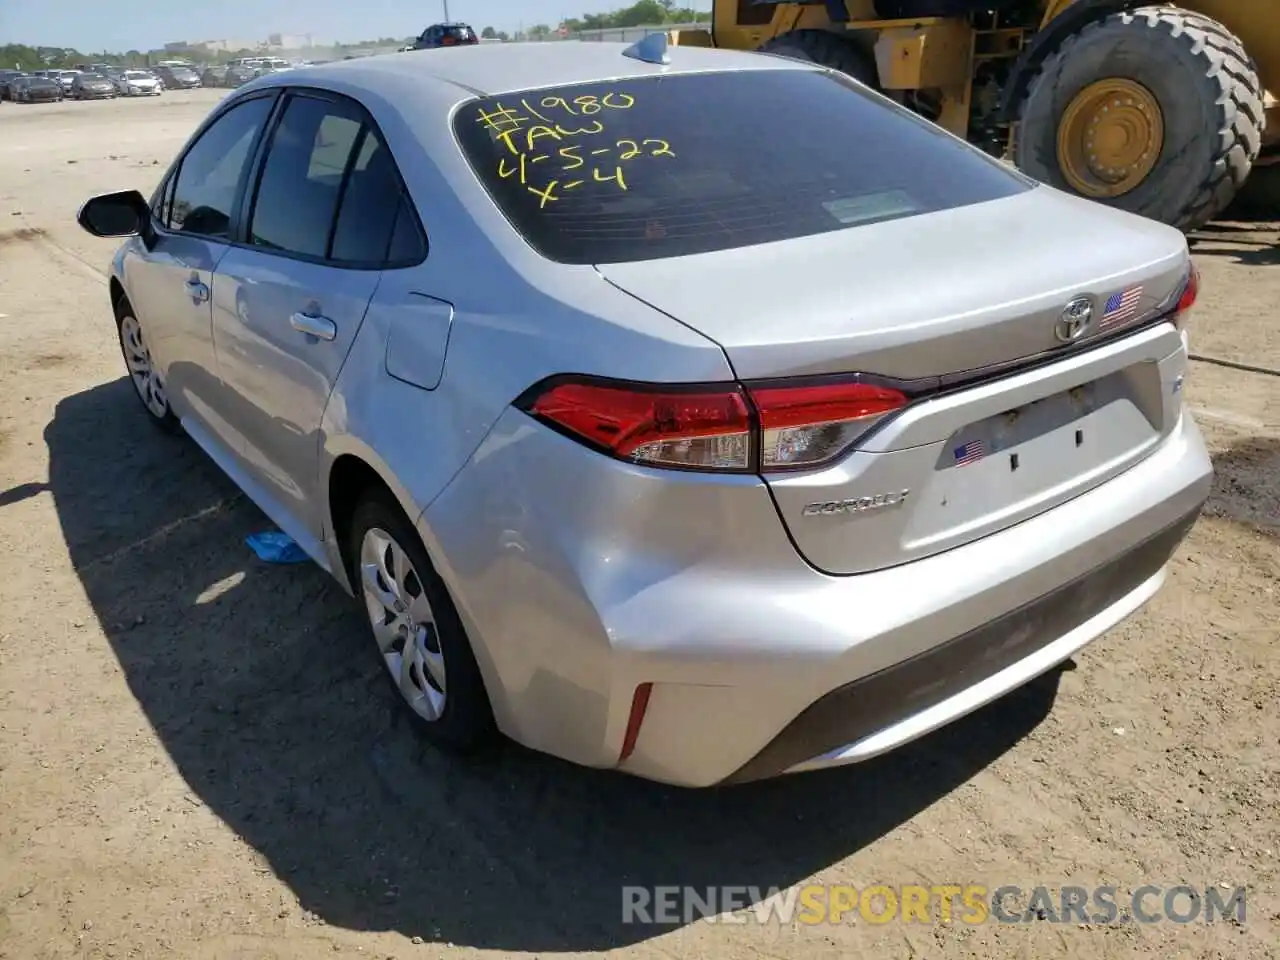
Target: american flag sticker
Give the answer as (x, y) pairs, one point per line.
(970, 452)
(1120, 307)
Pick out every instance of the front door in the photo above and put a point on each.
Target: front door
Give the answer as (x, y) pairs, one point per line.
(170, 285)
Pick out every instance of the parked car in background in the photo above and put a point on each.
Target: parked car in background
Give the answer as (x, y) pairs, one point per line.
(65, 79)
(446, 35)
(138, 83)
(273, 65)
(240, 72)
(214, 76)
(35, 90)
(178, 78)
(92, 86)
(6, 78)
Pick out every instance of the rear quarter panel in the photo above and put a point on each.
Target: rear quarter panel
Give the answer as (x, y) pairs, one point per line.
(517, 318)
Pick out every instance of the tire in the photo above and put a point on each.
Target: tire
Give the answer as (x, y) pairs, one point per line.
(156, 405)
(1207, 89)
(465, 724)
(826, 50)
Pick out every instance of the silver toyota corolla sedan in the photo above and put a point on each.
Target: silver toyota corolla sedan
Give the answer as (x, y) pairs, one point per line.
(657, 442)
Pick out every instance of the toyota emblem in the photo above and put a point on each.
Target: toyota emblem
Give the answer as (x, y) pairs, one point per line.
(1075, 320)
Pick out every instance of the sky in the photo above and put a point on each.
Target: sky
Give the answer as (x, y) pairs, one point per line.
(92, 27)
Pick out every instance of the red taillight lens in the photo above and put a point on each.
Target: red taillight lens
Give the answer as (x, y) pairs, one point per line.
(1188, 298)
(803, 426)
(448, 41)
(704, 428)
(718, 427)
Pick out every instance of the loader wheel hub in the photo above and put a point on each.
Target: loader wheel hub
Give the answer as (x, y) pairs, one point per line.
(1110, 137)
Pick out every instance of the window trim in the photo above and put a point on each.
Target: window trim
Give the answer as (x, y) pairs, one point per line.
(249, 194)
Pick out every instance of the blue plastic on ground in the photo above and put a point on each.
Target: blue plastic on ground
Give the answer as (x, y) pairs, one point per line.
(276, 547)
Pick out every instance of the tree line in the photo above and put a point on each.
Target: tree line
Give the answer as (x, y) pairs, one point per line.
(639, 14)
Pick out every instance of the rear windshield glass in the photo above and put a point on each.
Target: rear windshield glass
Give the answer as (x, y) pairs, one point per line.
(459, 32)
(654, 167)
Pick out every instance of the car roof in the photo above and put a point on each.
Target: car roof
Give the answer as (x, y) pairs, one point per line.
(488, 69)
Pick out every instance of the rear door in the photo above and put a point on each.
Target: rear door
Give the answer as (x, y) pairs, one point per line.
(289, 302)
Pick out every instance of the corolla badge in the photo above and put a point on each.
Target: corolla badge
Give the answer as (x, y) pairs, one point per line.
(1075, 320)
(855, 505)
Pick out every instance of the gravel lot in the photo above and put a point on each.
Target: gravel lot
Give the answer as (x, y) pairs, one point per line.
(199, 760)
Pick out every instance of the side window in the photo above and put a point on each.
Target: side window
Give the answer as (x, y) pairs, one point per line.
(163, 205)
(160, 201)
(372, 206)
(297, 195)
(408, 245)
(209, 176)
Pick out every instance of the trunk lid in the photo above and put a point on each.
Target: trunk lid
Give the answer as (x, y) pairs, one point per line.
(905, 298)
(939, 299)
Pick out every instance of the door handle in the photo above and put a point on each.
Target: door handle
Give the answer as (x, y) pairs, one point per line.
(322, 328)
(198, 290)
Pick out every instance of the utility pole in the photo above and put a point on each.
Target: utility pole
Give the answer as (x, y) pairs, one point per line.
(446, 10)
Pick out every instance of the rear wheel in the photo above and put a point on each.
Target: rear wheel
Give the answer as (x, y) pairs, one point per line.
(418, 634)
(1156, 111)
(827, 50)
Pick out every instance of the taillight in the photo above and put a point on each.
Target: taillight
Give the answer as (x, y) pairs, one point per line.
(802, 426)
(1187, 300)
(718, 427)
(700, 428)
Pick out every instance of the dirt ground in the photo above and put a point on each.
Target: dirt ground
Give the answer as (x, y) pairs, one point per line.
(198, 758)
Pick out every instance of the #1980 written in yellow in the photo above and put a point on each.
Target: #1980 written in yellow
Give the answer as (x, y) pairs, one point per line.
(572, 164)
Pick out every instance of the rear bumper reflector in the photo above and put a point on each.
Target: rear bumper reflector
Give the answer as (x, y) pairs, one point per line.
(639, 704)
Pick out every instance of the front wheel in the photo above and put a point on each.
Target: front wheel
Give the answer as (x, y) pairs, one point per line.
(1157, 111)
(416, 628)
(148, 383)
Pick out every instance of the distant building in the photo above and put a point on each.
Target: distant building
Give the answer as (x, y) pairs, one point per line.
(212, 46)
(290, 41)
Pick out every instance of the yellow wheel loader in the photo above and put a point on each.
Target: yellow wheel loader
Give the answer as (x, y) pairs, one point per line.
(1158, 108)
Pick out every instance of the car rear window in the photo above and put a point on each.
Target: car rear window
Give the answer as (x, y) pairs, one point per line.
(653, 167)
(460, 33)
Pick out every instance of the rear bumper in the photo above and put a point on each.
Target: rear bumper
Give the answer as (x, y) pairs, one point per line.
(580, 582)
(901, 702)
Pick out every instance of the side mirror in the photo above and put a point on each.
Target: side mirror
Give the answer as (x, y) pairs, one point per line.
(115, 214)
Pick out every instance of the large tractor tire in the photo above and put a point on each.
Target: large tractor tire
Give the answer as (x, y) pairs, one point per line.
(827, 50)
(1157, 111)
